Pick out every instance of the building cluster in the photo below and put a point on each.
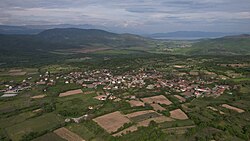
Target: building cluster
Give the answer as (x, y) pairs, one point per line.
(143, 78)
(11, 89)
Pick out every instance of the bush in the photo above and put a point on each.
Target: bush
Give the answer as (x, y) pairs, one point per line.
(166, 113)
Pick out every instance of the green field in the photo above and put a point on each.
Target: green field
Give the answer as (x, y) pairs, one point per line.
(49, 137)
(89, 130)
(46, 122)
(15, 119)
(76, 105)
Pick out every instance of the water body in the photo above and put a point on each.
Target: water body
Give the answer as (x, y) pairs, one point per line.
(184, 38)
(2, 64)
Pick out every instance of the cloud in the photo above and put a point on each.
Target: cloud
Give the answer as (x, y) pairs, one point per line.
(147, 15)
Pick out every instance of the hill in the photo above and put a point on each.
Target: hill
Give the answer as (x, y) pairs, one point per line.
(67, 38)
(35, 29)
(6, 29)
(228, 45)
(81, 37)
(41, 47)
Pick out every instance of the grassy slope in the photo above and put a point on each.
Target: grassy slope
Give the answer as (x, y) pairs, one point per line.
(221, 46)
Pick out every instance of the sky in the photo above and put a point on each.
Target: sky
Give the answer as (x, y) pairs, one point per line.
(144, 16)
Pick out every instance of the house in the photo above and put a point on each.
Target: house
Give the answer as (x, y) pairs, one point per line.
(79, 119)
(91, 86)
(101, 97)
(112, 97)
(150, 87)
(91, 107)
(41, 83)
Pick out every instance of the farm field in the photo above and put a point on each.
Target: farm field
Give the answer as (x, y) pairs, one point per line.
(136, 103)
(178, 114)
(38, 124)
(232, 108)
(143, 121)
(38, 96)
(157, 99)
(49, 137)
(71, 92)
(111, 97)
(141, 116)
(67, 135)
(112, 122)
(12, 120)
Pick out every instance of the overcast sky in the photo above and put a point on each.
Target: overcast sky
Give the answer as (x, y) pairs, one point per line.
(133, 15)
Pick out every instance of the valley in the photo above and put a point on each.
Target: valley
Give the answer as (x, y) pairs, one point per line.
(125, 94)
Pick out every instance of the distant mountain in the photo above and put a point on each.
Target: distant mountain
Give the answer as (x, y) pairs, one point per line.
(228, 45)
(5, 29)
(80, 26)
(35, 29)
(81, 37)
(66, 38)
(189, 34)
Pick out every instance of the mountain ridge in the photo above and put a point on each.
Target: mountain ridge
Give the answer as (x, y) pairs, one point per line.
(63, 38)
(228, 45)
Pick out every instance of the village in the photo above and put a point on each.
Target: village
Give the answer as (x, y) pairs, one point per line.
(117, 102)
(108, 87)
(187, 87)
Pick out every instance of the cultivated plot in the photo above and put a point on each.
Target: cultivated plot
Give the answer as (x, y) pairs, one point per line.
(67, 135)
(143, 119)
(178, 114)
(38, 96)
(72, 92)
(160, 99)
(135, 103)
(233, 108)
(112, 122)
